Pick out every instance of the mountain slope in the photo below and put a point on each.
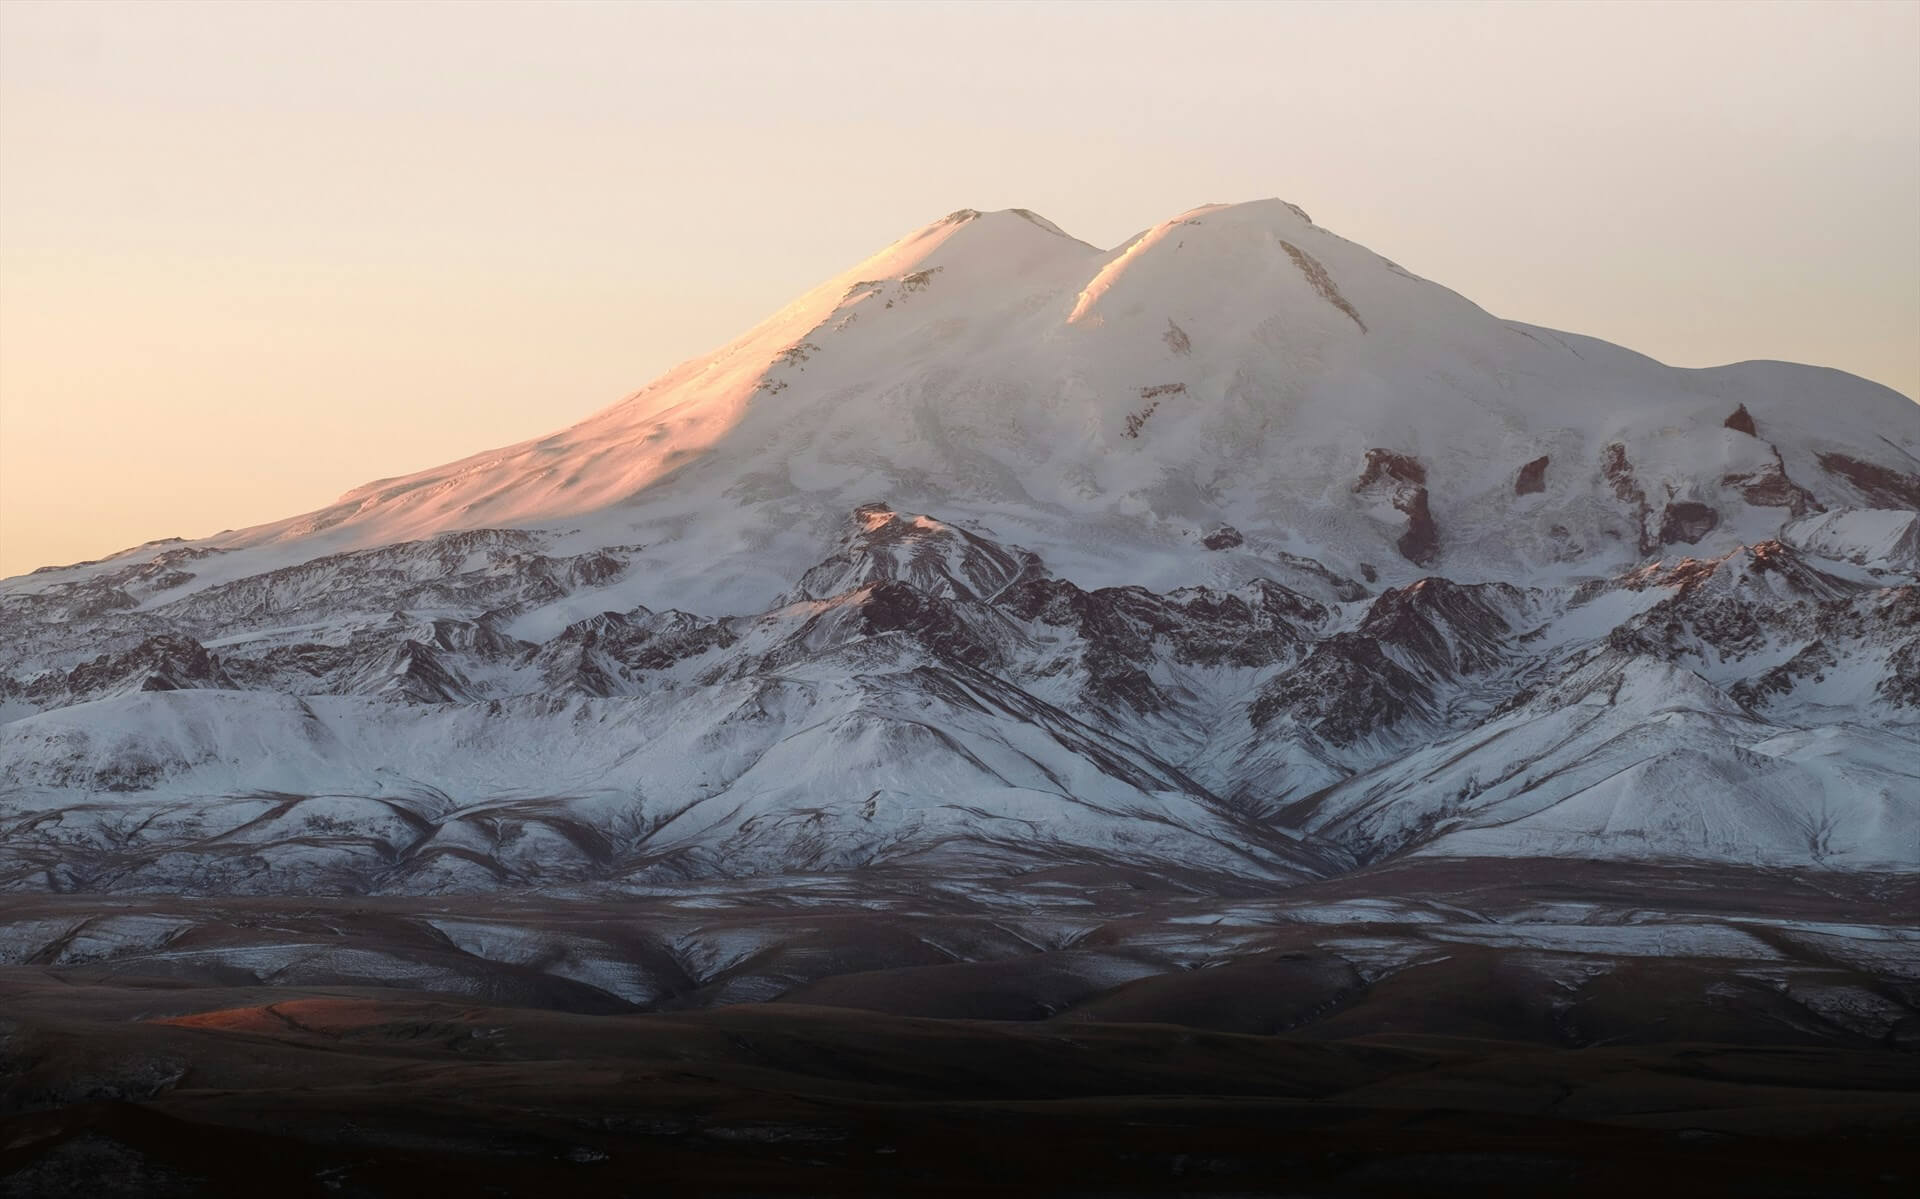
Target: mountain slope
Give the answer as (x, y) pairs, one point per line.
(1235, 551)
(1235, 365)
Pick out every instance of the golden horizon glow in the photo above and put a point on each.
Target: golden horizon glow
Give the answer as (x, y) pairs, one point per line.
(253, 256)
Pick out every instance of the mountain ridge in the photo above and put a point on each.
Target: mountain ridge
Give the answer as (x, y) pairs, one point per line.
(1236, 550)
(1157, 451)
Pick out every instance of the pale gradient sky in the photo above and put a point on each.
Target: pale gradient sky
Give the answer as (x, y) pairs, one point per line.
(253, 255)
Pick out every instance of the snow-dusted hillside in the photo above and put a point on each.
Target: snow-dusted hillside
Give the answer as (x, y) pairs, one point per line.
(1237, 550)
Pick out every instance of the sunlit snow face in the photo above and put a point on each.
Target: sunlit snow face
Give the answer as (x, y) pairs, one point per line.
(295, 258)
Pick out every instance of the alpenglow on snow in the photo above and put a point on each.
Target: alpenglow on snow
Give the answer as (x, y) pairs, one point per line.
(1235, 550)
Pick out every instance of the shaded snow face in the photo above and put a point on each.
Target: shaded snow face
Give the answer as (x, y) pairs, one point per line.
(411, 720)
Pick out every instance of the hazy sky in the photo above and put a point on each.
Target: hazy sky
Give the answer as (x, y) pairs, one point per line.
(252, 255)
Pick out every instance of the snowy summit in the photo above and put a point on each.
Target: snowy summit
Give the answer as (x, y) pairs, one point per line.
(1235, 549)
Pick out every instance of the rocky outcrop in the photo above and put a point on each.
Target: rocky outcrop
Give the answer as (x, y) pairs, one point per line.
(1882, 486)
(1900, 686)
(1686, 521)
(1321, 282)
(1532, 478)
(418, 672)
(1402, 481)
(1443, 627)
(934, 556)
(1345, 691)
(1741, 421)
(1121, 635)
(932, 621)
(1726, 609)
(1414, 645)
(1225, 537)
(1618, 472)
(1769, 487)
(614, 653)
(165, 662)
(475, 570)
(1810, 664)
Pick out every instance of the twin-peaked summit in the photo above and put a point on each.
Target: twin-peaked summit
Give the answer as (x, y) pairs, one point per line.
(1235, 552)
(1235, 366)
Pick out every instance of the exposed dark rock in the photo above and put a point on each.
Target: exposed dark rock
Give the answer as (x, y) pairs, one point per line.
(1225, 537)
(1420, 544)
(1742, 421)
(1123, 631)
(1532, 478)
(1769, 487)
(1385, 464)
(418, 672)
(166, 662)
(936, 557)
(1412, 641)
(1686, 521)
(1449, 627)
(475, 570)
(896, 607)
(1619, 472)
(1741, 604)
(1321, 282)
(98, 601)
(1810, 663)
(1901, 685)
(610, 654)
(1884, 487)
(1050, 601)
(1897, 614)
(1214, 627)
(1137, 420)
(1402, 478)
(1116, 627)
(1346, 689)
(590, 570)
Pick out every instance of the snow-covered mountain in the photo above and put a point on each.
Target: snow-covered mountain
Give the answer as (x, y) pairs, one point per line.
(1236, 551)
